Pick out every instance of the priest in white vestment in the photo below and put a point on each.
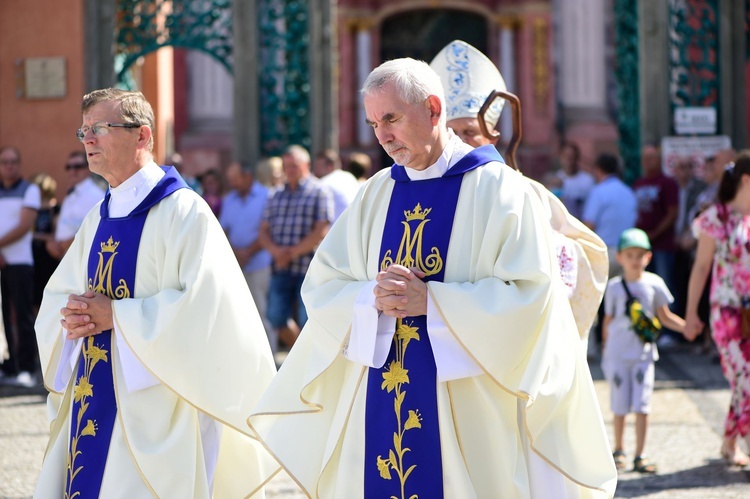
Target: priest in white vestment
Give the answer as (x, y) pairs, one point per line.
(468, 78)
(440, 358)
(159, 353)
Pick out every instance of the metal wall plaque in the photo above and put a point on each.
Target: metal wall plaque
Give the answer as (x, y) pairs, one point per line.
(45, 78)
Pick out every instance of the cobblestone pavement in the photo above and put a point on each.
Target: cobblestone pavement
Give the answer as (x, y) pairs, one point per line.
(689, 405)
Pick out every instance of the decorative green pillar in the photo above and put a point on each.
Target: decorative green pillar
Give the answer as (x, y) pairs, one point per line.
(628, 84)
(285, 76)
(694, 55)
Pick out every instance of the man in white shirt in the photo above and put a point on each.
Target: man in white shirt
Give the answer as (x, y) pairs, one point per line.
(19, 203)
(82, 196)
(342, 184)
(151, 346)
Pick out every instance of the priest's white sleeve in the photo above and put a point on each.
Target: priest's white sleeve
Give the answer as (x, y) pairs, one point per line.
(451, 359)
(137, 377)
(372, 332)
(68, 357)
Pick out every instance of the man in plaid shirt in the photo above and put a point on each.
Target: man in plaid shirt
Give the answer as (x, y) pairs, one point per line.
(295, 220)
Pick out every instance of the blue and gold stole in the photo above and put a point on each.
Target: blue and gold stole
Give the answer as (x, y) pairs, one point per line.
(402, 438)
(111, 271)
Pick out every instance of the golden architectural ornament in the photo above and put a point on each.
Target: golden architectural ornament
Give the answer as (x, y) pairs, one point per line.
(540, 64)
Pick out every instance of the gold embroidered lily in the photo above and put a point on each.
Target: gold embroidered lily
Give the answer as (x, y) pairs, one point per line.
(384, 466)
(407, 333)
(394, 376)
(90, 429)
(413, 421)
(83, 389)
(95, 353)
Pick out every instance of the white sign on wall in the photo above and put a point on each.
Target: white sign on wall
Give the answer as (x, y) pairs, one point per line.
(695, 120)
(698, 148)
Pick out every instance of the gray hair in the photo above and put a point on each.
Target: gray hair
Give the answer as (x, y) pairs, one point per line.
(134, 108)
(297, 152)
(414, 81)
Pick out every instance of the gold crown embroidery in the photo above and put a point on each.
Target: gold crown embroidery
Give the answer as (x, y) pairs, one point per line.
(109, 246)
(417, 214)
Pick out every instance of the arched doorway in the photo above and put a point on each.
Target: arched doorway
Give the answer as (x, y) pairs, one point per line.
(421, 34)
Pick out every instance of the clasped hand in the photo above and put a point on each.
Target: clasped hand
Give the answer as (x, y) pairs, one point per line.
(400, 292)
(693, 326)
(86, 315)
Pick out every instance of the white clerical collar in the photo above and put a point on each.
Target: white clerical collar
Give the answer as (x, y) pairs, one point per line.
(437, 169)
(126, 196)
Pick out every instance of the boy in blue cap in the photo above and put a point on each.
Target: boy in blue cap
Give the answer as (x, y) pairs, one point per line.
(635, 306)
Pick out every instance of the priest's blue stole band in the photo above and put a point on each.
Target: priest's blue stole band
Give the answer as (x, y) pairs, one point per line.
(402, 438)
(111, 271)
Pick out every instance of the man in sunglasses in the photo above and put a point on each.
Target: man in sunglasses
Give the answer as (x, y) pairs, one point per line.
(151, 346)
(83, 195)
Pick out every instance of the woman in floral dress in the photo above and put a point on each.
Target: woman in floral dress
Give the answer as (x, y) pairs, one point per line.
(723, 233)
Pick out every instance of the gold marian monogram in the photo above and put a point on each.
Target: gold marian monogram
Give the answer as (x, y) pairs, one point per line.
(410, 249)
(102, 281)
(396, 375)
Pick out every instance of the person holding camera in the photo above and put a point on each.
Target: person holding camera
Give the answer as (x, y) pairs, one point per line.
(636, 305)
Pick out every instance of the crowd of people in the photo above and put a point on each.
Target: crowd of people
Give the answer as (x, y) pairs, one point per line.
(161, 279)
(237, 195)
(37, 230)
(668, 235)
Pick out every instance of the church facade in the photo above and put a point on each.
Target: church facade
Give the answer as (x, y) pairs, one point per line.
(244, 79)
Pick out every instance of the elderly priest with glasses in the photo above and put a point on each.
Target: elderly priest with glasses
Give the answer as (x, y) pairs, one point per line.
(149, 349)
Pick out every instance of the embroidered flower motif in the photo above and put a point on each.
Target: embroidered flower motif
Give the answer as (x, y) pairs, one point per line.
(413, 421)
(90, 429)
(394, 376)
(407, 333)
(95, 353)
(83, 389)
(384, 467)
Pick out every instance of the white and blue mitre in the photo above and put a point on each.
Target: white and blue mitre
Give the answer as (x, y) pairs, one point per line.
(468, 77)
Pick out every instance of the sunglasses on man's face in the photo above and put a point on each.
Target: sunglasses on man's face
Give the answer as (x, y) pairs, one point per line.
(76, 166)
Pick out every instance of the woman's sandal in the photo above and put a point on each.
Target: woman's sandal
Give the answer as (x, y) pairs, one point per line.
(619, 457)
(642, 465)
(735, 457)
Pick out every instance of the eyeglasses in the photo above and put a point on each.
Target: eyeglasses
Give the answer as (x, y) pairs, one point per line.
(101, 129)
(76, 166)
(8, 161)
